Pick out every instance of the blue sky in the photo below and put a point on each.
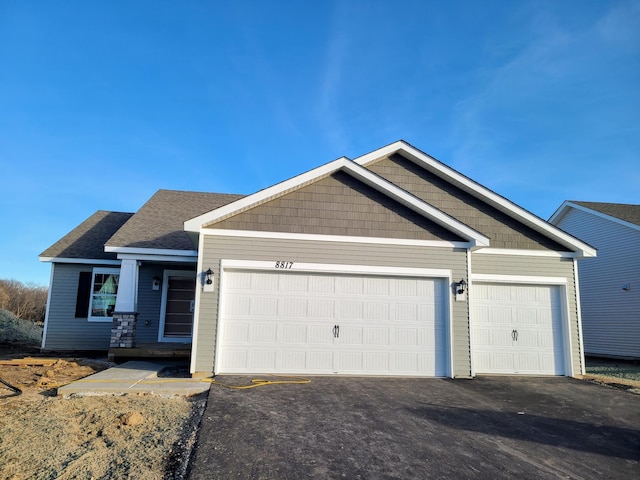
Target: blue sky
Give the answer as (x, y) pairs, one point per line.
(103, 103)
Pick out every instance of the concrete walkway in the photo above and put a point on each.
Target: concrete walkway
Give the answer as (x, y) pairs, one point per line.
(135, 377)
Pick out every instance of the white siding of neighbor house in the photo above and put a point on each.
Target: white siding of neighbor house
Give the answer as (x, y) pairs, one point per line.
(64, 331)
(537, 266)
(610, 315)
(217, 248)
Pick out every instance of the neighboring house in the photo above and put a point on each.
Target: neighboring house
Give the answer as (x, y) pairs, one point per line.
(609, 284)
(389, 264)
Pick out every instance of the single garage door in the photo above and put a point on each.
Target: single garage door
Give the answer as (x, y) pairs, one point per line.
(517, 329)
(314, 323)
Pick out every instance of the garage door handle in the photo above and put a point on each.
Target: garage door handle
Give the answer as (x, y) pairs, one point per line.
(336, 331)
(514, 335)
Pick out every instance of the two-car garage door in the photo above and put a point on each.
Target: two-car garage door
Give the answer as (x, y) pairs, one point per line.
(326, 323)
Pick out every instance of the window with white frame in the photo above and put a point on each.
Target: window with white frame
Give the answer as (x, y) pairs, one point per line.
(104, 290)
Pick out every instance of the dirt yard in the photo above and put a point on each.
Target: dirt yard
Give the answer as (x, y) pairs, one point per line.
(43, 436)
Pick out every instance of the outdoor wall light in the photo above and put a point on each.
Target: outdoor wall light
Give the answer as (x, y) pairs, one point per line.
(461, 286)
(209, 276)
(155, 283)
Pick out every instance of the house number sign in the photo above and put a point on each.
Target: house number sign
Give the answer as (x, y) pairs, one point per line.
(284, 264)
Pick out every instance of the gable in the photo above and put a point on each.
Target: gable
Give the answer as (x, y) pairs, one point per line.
(503, 230)
(338, 204)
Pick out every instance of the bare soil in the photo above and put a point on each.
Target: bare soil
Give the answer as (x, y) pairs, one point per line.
(44, 436)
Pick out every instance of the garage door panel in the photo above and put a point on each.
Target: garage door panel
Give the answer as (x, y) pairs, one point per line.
(517, 329)
(263, 307)
(387, 325)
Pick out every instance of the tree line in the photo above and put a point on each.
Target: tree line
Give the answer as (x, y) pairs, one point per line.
(25, 300)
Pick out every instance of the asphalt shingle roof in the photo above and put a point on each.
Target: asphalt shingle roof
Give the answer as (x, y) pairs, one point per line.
(87, 239)
(159, 223)
(623, 211)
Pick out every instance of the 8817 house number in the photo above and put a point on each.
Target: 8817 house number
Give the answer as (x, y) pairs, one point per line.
(284, 264)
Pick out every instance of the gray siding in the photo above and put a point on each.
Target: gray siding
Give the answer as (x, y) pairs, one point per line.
(149, 302)
(64, 331)
(525, 265)
(502, 230)
(338, 205)
(610, 315)
(220, 247)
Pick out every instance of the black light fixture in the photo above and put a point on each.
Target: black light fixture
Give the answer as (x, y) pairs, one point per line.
(209, 274)
(461, 287)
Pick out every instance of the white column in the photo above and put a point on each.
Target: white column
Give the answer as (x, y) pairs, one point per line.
(127, 300)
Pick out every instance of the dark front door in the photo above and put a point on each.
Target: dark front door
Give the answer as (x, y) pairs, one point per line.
(179, 306)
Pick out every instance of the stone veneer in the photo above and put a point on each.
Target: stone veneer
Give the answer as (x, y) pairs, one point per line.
(123, 330)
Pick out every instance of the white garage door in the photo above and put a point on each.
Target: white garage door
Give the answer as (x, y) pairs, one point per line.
(517, 329)
(313, 323)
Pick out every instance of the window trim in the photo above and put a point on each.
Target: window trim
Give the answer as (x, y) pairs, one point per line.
(99, 270)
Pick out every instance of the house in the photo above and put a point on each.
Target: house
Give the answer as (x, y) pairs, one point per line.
(389, 264)
(610, 283)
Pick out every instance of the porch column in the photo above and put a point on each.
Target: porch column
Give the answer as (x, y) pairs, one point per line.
(123, 330)
(127, 300)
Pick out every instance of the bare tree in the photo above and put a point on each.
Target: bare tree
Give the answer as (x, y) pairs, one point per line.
(27, 301)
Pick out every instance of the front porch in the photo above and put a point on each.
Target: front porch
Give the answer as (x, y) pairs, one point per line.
(150, 350)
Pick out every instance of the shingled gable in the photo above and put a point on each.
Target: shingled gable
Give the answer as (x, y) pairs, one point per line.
(484, 194)
(361, 174)
(624, 213)
(158, 226)
(86, 241)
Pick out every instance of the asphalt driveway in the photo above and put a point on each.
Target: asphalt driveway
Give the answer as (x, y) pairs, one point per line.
(375, 428)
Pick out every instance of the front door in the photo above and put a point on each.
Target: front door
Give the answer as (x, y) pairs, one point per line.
(178, 299)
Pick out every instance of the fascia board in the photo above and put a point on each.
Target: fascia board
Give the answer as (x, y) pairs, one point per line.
(151, 251)
(493, 198)
(560, 212)
(83, 261)
(567, 205)
(195, 224)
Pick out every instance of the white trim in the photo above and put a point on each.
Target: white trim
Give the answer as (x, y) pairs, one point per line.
(151, 251)
(378, 183)
(248, 265)
(579, 312)
(84, 261)
(529, 253)
(493, 198)
(491, 278)
(158, 258)
(564, 208)
(196, 313)
(336, 268)
(163, 305)
(46, 316)
(334, 238)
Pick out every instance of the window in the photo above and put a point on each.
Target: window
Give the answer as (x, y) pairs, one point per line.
(104, 290)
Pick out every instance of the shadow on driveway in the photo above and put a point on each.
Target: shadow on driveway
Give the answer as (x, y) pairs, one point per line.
(370, 428)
